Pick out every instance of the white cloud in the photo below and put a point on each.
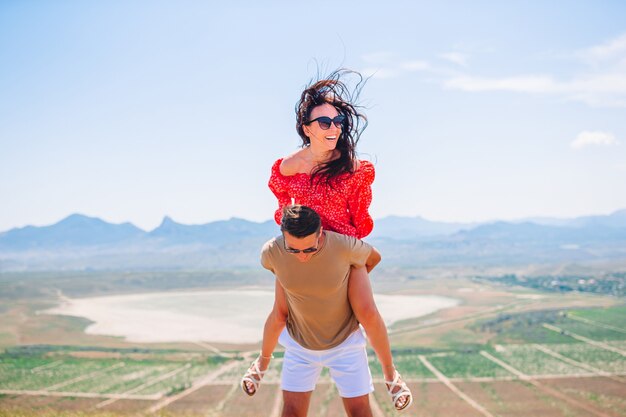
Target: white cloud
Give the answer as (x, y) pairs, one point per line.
(379, 72)
(608, 89)
(614, 48)
(383, 65)
(415, 65)
(602, 84)
(456, 58)
(599, 80)
(597, 138)
(602, 89)
(524, 83)
(381, 57)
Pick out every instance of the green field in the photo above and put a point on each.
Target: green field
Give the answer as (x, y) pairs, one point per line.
(42, 371)
(614, 316)
(408, 364)
(86, 371)
(467, 365)
(103, 376)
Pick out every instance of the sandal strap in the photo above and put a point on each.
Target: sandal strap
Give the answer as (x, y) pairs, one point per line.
(394, 383)
(253, 371)
(400, 393)
(252, 381)
(403, 391)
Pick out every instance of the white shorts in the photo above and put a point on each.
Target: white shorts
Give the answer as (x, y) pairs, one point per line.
(346, 362)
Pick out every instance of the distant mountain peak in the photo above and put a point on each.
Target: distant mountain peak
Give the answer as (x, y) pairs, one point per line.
(239, 220)
(79, 218)
(167, 220)
(618, 213)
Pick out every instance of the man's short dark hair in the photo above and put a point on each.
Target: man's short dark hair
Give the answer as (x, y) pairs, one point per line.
(300, 221)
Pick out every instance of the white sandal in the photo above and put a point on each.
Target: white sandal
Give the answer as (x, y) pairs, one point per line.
(249, 376)
(404, 391)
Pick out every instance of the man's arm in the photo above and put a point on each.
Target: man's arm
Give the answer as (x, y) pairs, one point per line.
(275, 322)
(372, 260)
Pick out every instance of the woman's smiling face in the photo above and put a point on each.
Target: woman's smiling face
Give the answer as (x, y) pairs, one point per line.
(323, 139)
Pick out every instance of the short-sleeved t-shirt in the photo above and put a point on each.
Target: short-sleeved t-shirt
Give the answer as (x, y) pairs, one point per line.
(319, 314)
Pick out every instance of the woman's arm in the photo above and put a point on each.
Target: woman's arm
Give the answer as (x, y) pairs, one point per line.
(360, 199)
(278, 186)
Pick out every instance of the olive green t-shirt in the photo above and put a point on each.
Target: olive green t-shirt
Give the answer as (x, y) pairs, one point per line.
(319, 314)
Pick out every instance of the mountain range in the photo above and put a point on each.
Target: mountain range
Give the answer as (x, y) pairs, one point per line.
(81, 242)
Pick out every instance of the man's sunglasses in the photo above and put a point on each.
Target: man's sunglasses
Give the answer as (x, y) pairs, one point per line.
(325, 121)
(312, 249)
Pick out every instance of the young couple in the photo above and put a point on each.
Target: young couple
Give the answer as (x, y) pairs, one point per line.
(321, 266)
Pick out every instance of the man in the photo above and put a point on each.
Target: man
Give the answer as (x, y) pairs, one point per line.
(312, 317)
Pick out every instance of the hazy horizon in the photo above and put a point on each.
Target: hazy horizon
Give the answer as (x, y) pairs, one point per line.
(272, 219)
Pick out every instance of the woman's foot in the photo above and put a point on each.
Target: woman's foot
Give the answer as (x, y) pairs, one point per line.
(398, 390)
(253, 376)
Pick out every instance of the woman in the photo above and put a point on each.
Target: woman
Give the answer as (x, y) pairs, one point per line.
(326, 176)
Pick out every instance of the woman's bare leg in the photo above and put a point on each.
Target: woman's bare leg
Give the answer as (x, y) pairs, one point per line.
(362, 300)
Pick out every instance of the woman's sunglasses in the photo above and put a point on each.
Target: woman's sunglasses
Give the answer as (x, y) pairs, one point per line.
(325, 121)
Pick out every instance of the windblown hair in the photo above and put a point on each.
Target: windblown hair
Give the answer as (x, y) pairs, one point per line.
(333, 90)
(300, 221)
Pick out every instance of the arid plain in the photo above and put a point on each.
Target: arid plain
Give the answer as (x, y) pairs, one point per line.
(502, 351)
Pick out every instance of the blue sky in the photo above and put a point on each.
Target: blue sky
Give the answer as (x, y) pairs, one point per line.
(130, 111)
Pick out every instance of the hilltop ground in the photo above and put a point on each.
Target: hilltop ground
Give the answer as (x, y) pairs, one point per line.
(504, 351)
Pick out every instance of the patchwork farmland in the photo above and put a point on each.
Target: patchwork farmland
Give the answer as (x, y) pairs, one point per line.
(584, 374)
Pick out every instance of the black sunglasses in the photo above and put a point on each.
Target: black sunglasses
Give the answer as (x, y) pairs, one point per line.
(325, 121)
(307, 250)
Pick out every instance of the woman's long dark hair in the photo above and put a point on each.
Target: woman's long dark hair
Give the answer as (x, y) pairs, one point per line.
(334, 91)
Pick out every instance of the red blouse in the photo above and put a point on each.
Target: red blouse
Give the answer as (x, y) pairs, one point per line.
(343, 207)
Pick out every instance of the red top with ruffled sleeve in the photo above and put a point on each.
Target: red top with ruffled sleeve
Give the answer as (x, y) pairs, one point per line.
(342, 207)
